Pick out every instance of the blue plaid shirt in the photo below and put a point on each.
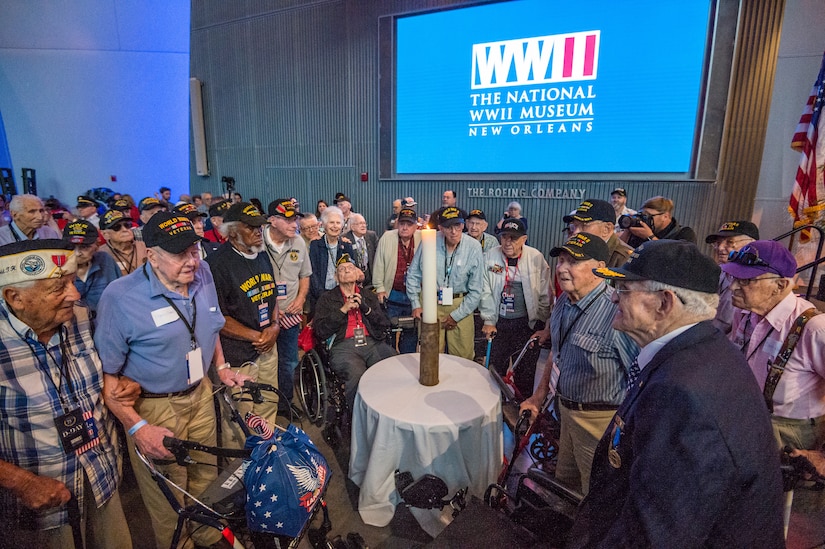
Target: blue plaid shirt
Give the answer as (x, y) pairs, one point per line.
(29, 404)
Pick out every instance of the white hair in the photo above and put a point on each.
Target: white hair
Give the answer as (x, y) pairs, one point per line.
(330, 211)
(18, 201)
(699, 304)
(514, 204)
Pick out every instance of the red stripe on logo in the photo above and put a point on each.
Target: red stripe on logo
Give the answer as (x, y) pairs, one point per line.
(589, 54)
(569, 46)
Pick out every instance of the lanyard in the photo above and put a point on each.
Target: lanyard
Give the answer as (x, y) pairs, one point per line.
(274, 261)
(448, 267)
(190, 327)
(332, 257)
(507, 270)
(62, 368)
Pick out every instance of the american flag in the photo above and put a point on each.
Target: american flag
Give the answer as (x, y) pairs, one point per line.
(259, 425)
(809, 187)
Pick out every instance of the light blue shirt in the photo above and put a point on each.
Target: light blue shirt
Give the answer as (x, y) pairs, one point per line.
(152, 349)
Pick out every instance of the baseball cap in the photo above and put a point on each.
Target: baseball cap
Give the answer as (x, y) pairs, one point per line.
(584, 246)
(450, 216)
(339, 197)
(592, 210)
(283, 207)
(408, 202)
(407, 214)
(619, 191)
(734, 228)
(113, 217)
(345, 258)
(675, 262)
(759, 257)
(36, 260)
(148, 203)
(245, 212)
(121, 205)
(478, 214)
(217, 209)
(85, 202)
(171, 231)
(188, 210)
(513, 226)
(80, 232)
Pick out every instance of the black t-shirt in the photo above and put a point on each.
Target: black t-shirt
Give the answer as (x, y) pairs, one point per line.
(246, 293)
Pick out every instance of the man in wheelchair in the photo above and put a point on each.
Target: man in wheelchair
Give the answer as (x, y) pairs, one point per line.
(356, 321)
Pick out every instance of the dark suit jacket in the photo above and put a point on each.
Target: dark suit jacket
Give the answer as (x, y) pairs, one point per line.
(699, 464)
(319, 258)
(330, 320)
(372, 243)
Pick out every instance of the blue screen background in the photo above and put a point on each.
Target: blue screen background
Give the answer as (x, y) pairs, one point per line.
(647, 90)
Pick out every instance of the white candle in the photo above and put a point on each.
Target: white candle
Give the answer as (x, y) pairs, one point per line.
(429, 284)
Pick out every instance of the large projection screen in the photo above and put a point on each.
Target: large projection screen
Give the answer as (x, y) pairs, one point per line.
(550, 87)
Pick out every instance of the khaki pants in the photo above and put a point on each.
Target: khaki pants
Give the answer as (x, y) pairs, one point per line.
(805, 434)
(580, 433)
(190, 417)
(268, 373)
(459, 340)
(103, 527)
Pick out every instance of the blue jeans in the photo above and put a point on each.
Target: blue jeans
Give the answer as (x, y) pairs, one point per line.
(398, 304)
(287, 361)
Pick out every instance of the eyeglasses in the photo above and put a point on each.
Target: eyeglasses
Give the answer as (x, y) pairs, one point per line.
(120, 226)
(749, 257)
(728, 242)
(745, 282)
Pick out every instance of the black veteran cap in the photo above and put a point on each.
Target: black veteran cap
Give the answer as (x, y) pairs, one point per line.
(171, 231)
(478, 214)
(113, 217)
(407, 214)
(513, 226)
(734, 228)
(245, 212)
(345, 258)
(619, 191)
(121, 205)
(85, 202)
(592, 210)
(450, 216)
(188, 210)
(217, 209)
(36, 260)
(149, 203)
(283, 207)
(675, 262)
(80, 232)
(584, 246)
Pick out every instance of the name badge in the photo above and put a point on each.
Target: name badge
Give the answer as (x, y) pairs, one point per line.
(72, 430)
(164, 316)
(281, 289)
(360, 337)
(772, 347)
(445, 296)
(263, 314)
(194, 365)
(508, 304)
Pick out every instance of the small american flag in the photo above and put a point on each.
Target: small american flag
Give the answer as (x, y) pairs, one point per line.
(809, 187)
(88, 417)
(259, 425)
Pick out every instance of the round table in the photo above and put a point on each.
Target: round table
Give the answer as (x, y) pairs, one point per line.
(452, 430)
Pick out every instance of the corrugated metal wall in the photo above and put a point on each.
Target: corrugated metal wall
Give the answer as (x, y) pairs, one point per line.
(291, 108)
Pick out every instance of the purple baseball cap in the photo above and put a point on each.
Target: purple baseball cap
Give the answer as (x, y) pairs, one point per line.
(760, 257)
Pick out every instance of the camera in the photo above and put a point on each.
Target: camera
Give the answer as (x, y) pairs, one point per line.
(229, 182)
(635, 220)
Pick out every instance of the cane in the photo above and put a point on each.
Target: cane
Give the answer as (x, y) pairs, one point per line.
(489, 346)
(74, 521)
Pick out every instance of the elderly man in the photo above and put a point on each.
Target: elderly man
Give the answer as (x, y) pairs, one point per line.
(476, 227)
(159, 326)
(147, 207)
(309, 228)
(515, 301)
(120, 242)
(730, 237)
(344, 203)
(768, 318)
(592, 358)
(396, 207)
(598, 217)
(658, 224)
(246, 293)
(358, 323)
(389, 276)
(95, 270)
(688, 460)
(206, 202)
(87, 209)
(290, 264)
(364, 242)
(27, 221)
(216, 212)
(51, 379)
(618, 199)
(460, 280)
(189, 211)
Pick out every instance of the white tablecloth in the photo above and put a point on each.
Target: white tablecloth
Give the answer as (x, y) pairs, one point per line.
(452, 430)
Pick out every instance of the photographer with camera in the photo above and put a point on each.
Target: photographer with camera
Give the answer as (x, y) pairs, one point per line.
(654, 221)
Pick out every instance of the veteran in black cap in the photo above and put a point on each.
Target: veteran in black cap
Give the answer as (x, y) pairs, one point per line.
(159, 326)
(476, 224)
(598, 217)
(593, 359)
(87, 209)
(216, 212)
(689, 459)
(205, 247)
(95, 269)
